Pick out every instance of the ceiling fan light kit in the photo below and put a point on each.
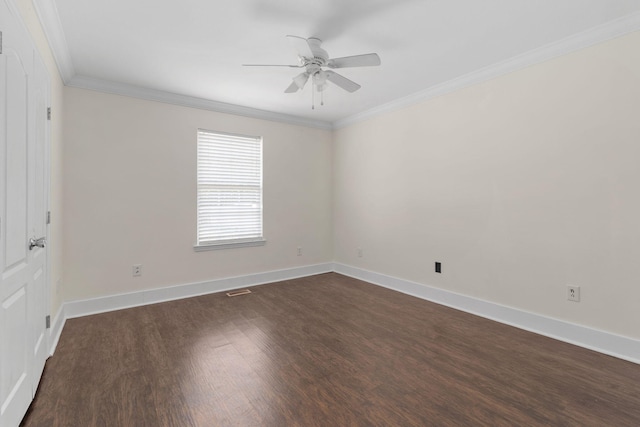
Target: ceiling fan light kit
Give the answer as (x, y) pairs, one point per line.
(313, 58)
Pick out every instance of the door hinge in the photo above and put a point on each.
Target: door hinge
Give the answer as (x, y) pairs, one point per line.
(48, 321)
(48, 113)
(48, 217)
(0, 42)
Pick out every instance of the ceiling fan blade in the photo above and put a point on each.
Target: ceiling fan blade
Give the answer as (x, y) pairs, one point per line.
(293, 88)
(343, 82)
(366, 60)
(271, 65)
(301, 46)
(301, 79)
(298, 83)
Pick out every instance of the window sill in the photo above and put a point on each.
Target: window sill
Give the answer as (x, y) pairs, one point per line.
(229, 245)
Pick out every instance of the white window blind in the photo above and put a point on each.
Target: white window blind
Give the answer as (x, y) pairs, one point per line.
(229, 189)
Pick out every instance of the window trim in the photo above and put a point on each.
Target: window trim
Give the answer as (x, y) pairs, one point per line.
(229, 245)
(232, 243)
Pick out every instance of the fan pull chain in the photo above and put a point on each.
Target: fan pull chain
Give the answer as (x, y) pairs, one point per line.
(322, 98)
(313, 102)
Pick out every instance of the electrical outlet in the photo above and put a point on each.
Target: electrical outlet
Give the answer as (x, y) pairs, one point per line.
(438, 267)
(137, 270)
(299, 251)
(573, 293)
(359, 252)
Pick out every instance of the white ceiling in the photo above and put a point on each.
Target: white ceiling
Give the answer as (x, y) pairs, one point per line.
(195, 48)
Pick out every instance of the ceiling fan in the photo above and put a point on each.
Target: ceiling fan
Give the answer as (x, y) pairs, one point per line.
(314, 59)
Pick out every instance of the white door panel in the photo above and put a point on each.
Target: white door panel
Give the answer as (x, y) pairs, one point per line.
(16, 390)
(23, 204)
(16, 97)
(15, 360)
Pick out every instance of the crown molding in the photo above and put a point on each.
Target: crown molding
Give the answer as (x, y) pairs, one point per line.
(106, 86)
(616, 28)
(50, 21)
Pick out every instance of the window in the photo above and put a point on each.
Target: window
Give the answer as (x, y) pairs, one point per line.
(229, 190)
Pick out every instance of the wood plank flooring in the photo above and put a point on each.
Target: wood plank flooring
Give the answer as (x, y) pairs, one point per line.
(326, 350)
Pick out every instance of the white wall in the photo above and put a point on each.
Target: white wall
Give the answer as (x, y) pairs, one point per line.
(519, 186)
(130, 195)
(56, 232)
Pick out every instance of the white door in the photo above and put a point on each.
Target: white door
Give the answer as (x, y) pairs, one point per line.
(23, 201)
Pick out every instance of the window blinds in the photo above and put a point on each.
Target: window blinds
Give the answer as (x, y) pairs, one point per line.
(229, 188)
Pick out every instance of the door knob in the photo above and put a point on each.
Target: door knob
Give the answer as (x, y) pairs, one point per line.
(37, 242)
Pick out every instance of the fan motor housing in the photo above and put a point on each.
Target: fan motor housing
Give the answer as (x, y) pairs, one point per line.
(318, 52)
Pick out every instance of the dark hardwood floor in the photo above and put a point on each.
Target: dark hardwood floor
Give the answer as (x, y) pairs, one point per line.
(325, 350)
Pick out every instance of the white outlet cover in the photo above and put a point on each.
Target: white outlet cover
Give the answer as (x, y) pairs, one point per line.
(137, 270)
(573, 293)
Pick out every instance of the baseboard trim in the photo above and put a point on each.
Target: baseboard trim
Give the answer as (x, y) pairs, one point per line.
(603, 342)
(582, 336)
(152, 296)
(56, 329)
